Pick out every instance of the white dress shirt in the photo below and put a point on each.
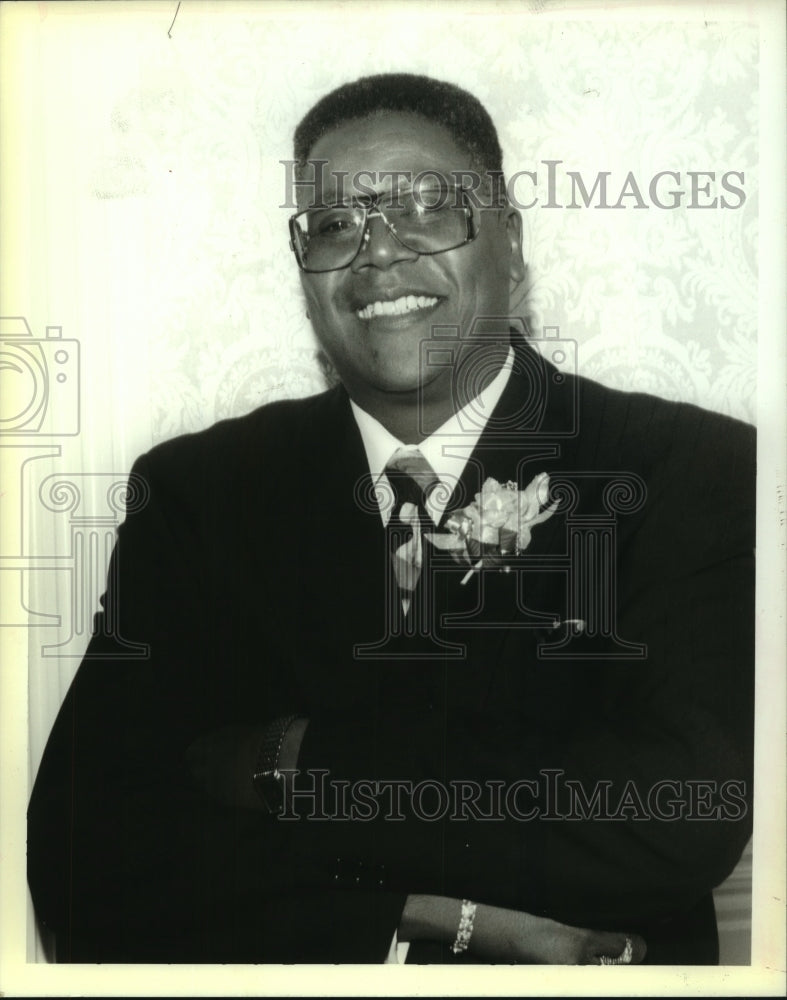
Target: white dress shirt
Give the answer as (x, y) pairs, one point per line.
(447, 450)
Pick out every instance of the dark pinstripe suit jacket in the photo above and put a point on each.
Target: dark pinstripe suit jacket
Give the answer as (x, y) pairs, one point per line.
(259, 582)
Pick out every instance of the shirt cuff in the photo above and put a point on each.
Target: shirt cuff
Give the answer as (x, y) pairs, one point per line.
(397, 953)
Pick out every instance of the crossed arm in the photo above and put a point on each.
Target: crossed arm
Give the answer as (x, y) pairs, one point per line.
(129, 862)
(221, 765)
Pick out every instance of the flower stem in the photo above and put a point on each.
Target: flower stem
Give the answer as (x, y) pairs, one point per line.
(470, 572)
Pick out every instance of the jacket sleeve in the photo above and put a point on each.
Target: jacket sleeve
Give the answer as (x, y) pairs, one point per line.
(642, 768)
(126, 863)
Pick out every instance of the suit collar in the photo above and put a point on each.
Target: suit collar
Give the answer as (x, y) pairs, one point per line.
(446, 450)
(525, 435)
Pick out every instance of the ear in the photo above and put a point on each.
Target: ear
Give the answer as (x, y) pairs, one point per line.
(517, 269)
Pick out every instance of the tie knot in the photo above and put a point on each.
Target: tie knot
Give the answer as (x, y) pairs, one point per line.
(411, 477)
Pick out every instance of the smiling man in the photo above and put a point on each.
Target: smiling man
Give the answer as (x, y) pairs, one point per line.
(444, 259)
(390, 707)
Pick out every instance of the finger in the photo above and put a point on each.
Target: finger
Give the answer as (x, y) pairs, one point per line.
(613, 946)
(640, 949)
(604, 944)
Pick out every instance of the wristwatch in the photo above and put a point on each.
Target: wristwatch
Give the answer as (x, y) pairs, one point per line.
(267, 779)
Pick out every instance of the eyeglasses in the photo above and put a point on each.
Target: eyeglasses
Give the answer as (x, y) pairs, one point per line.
(428, 220)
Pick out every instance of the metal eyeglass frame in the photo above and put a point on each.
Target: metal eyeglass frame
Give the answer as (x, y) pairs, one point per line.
(371, 211)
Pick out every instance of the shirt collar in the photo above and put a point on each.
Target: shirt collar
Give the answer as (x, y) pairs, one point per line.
(447, 449)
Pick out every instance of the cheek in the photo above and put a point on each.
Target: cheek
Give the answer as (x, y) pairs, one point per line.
(320, 303)
(482, 289)
(333, 327)
(314, 294)
(484, 275)
(497, 255)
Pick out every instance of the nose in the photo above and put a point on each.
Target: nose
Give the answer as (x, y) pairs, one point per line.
(380, 248)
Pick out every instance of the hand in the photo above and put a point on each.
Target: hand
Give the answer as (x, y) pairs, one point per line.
(291, 744)
(539, 940)
(221, 763)
(502, 935)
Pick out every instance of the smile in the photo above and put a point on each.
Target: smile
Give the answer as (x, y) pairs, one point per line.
(398, 307)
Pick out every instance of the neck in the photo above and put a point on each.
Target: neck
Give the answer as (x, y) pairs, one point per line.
(413, 416)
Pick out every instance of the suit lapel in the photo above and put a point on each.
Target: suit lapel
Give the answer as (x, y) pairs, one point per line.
(528, 433)
(341, 557)
(523, 437)
(340, 560)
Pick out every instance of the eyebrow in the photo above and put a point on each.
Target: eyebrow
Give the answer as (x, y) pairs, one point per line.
(368, 200)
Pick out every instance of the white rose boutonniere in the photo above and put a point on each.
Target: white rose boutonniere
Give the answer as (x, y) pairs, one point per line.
(497, 524)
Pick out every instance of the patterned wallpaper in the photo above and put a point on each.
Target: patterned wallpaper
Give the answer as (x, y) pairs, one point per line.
(152, 185)
(662, 299)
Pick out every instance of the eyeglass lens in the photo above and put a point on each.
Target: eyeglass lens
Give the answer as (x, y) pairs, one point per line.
(430, 221)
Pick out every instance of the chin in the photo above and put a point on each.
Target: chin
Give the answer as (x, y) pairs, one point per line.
(395, 374)
(395, 382)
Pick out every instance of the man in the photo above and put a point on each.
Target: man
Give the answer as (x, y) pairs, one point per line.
(586, 715)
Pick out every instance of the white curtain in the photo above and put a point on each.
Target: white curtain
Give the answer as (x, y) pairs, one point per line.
(147, 187)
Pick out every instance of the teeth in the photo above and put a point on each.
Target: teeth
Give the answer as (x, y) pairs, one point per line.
(405, 304)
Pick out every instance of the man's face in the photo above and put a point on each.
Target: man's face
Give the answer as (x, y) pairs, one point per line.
(380, 355)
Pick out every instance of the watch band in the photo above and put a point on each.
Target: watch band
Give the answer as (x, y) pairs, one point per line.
(266, 778)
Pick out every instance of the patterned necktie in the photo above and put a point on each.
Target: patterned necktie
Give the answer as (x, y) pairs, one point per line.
(412, 479)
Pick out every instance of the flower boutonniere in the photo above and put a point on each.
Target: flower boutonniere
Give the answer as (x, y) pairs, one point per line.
(497, 524)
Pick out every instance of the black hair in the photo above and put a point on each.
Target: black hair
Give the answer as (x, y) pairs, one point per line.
(445, 104)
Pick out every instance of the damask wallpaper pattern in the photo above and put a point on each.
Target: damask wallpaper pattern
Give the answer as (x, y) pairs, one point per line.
(158, 228)
(662, 299)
